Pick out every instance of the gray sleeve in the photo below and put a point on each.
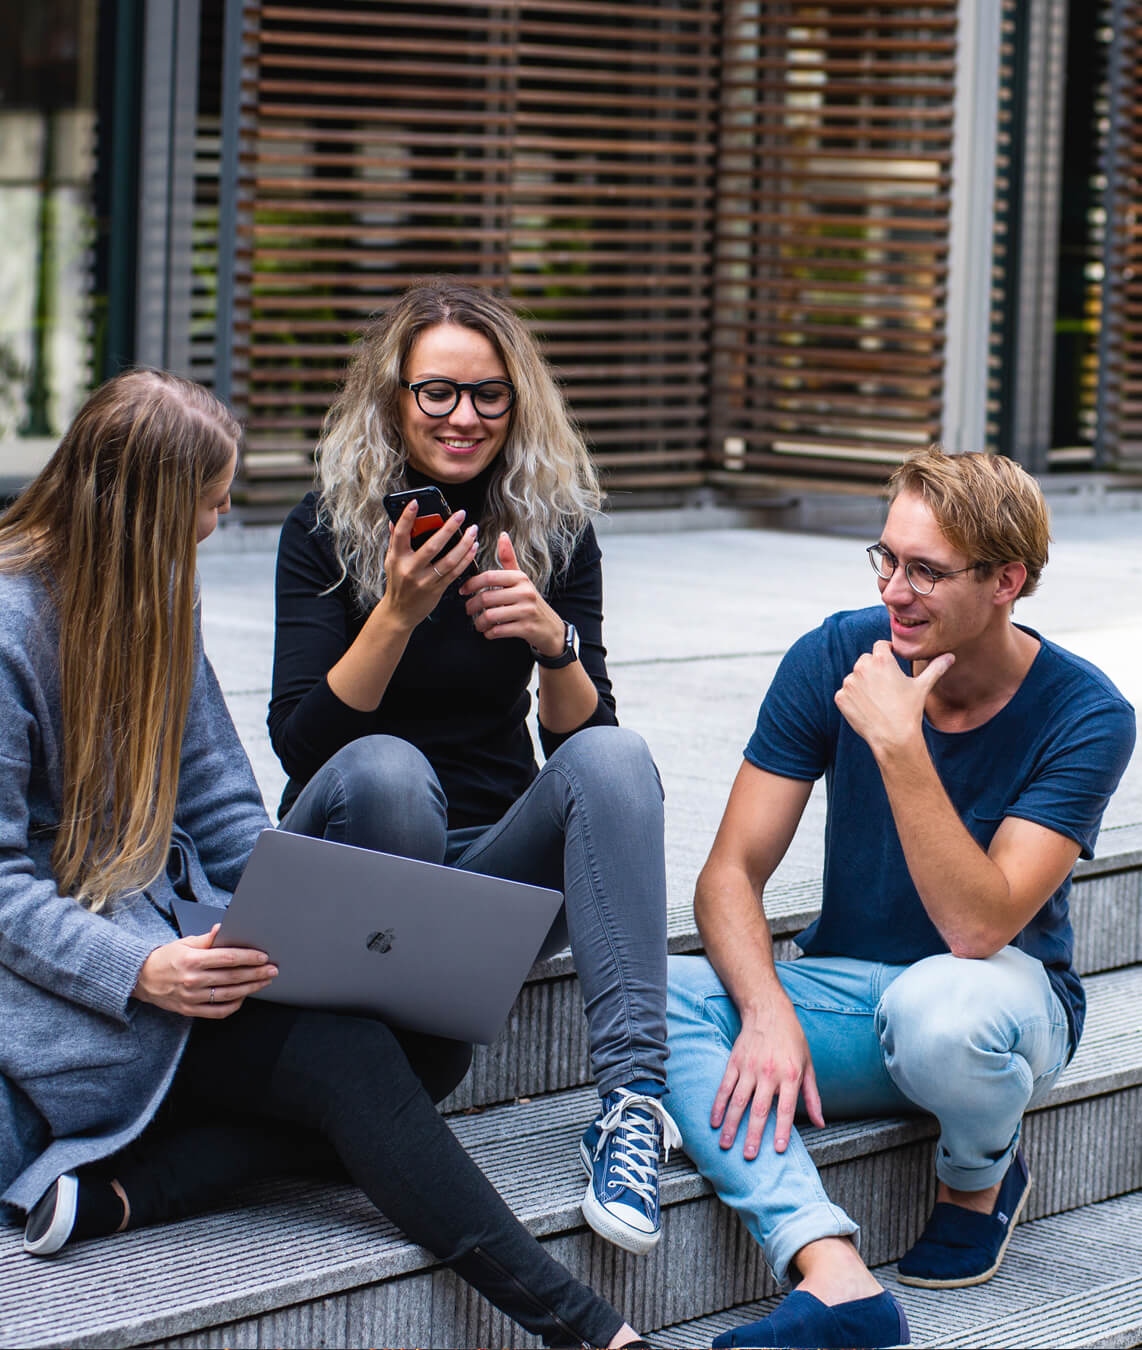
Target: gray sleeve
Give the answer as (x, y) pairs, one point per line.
(45, 937)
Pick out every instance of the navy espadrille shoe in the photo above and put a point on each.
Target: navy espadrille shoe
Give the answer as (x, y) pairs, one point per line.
(803, 1321)
(958, 1246)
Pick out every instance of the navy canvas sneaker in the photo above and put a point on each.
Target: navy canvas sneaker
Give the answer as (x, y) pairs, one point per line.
(620, 1152)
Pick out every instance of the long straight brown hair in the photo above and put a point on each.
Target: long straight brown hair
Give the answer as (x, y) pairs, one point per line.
(110, 525)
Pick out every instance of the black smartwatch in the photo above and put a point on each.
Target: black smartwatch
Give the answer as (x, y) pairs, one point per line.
(569, 653)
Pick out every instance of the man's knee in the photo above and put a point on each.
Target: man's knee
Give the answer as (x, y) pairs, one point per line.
(936, 1021)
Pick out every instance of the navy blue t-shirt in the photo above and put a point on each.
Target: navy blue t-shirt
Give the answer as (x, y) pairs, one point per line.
(1053, 755)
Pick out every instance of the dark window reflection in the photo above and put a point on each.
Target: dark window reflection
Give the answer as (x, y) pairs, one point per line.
(46, 168)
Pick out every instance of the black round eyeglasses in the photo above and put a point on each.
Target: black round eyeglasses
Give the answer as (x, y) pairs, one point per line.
(438, 397)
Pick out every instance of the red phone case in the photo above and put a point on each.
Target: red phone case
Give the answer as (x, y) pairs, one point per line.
(425, 525)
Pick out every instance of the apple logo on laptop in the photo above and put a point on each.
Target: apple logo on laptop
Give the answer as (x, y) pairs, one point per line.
(382, 941)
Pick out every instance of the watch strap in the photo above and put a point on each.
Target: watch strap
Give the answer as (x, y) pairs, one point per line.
(569, 653)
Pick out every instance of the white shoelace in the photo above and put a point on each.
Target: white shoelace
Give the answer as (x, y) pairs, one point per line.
(634, 1160)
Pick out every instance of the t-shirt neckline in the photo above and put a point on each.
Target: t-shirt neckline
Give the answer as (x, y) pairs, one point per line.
(1016, 697)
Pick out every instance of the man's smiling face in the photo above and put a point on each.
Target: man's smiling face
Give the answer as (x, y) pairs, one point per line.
(959, 609)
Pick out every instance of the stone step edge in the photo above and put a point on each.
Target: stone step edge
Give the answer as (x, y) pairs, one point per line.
(792, 906)
(1109, 1059)
(1108, 1314)
(1064, 1322)
(516, 1150)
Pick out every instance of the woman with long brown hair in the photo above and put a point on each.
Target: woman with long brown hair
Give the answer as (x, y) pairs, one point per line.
(137, 1083)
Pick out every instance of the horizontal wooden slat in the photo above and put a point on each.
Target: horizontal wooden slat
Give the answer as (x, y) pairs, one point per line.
(517, 146)
(858, 461)
(1120, 429)
(611, 166)
(682, 254)
(841, 208)
(633, 78)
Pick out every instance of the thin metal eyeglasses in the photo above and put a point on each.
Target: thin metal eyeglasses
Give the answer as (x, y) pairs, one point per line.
(918, 575)
(438, 397)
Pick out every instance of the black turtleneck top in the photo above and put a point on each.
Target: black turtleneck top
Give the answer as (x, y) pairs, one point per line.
(459, 697)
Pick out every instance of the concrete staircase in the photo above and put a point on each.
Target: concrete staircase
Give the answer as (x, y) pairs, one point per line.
(301, 1265)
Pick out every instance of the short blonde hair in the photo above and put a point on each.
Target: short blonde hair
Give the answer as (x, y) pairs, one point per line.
(989, 508)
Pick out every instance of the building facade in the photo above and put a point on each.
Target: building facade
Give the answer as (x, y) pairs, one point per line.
(763, 243)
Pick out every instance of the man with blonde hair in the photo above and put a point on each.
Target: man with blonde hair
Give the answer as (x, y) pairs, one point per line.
(968, 762)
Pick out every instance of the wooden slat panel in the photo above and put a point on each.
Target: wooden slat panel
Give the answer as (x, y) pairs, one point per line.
(570, 153)
(1120, 431)
(832, 236)
(562, 153)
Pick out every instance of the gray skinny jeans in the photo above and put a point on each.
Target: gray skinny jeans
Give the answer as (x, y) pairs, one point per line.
(590, 825)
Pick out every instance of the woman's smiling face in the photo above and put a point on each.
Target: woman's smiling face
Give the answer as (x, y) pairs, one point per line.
(458, 446)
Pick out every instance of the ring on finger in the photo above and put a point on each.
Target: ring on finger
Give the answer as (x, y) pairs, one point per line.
(439, 574)
(212, 993)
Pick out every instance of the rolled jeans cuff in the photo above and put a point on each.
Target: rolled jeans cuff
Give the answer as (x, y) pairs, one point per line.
(976, 1178)
(809, 1224)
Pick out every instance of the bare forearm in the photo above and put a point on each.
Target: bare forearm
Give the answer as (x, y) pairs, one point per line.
(978, 899)
(736, 937)
(759, 823)
(965, 893)
(770, 1057)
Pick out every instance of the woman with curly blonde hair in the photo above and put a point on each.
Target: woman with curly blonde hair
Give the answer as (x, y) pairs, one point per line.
(401, 670)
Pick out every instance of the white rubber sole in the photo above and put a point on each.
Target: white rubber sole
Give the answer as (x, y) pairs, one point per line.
(62, 1199)
(621, 1234)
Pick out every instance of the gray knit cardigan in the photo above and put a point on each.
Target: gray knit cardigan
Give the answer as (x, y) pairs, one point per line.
(83, 1065)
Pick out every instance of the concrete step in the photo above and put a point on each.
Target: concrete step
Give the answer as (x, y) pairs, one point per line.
(314, 1265)
(543, 1047)
(1074, 1279)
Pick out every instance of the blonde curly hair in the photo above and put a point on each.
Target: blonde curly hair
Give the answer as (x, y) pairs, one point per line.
(543, 487)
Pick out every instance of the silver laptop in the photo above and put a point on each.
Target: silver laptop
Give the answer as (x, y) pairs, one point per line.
(426, 947)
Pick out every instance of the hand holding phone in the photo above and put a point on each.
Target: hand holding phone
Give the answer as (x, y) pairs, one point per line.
(431, 513)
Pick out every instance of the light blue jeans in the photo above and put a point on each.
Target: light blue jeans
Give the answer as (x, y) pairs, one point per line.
(972, 1042)
(590, 825)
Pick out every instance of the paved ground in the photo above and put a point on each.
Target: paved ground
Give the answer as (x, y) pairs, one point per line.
(696, 622)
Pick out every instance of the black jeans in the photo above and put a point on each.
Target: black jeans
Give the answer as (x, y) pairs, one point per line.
(273, 1090)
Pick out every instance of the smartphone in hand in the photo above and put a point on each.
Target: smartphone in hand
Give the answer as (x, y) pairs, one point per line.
(431, 511)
